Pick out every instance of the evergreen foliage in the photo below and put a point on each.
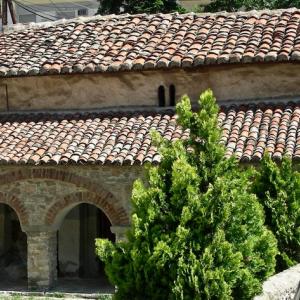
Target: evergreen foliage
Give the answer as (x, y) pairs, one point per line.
(197, 230)
(138, 6)
(278, 189)
(235, 5)
(107, 7)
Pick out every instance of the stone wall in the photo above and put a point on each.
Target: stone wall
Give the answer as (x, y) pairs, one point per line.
(229, 82)
(43, 196)
(47, 192)
(42, 260)
(282, 286)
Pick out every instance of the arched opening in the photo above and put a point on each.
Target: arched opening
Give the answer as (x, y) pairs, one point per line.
(172, 94)
(76, 258)
(161, 96)
(13, 251)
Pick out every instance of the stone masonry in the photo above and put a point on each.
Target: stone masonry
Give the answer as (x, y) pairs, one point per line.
(42, 197)
(41, 259)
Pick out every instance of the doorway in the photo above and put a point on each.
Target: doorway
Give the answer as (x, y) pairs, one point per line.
(13, 251)
(76, 258)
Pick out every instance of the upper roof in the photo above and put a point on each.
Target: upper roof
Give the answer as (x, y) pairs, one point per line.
(140, 42)
(248, 131)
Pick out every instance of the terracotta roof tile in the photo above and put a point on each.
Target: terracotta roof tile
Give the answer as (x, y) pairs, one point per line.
(136, 42)
(248, 131)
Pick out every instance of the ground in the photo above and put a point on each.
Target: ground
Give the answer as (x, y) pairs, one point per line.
(104, 297)
(54, 296)
(65, 289)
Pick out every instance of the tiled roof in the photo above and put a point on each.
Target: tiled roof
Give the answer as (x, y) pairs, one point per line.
(141, 42)
(123, 138)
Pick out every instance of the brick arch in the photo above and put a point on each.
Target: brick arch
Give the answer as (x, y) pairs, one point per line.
(50, 174)
(17, 206)
(104, 201)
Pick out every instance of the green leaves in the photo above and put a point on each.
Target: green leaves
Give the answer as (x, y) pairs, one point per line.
(278, 189)
(197, 230)
(235, 5)
(138, 6)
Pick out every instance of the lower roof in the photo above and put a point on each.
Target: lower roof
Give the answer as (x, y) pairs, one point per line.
(123, 138)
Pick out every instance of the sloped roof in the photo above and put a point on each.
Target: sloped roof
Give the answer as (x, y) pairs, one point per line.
(123, 138)
(142, 42)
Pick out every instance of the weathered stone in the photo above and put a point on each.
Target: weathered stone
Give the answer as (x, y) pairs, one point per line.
(42, 271)
(282, 286)
(43, 196)
(140, 88)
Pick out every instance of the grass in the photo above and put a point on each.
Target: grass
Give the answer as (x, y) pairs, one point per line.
(58, 295)
(104, 297)
(25, 298)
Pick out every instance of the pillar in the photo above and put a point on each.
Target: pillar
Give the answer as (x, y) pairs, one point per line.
(42, 259)
(120, 232)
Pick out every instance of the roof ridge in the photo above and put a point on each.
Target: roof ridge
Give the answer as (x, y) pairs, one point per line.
(82, 20)
(47, 24)
(181, 41)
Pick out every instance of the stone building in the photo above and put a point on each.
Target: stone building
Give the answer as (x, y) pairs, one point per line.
(79, 97)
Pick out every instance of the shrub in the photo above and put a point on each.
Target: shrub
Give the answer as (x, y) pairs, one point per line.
(278, 189)
(197, 230)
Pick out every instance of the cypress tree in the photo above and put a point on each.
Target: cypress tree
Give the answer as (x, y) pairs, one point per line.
(139, 6)
(197, 229)
(278, 189)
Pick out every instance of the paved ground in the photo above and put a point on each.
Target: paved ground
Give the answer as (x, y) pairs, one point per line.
(14, 286)
(84, 286)
(64, 289)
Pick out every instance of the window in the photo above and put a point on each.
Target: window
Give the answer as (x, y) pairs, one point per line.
(172, 94)
(82, 12)
(161, 96)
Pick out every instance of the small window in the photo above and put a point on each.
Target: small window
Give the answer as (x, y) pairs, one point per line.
(82, 12)
(161, 96)
(172, 94)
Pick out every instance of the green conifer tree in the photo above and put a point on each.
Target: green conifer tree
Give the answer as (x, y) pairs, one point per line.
(278, 189)
(139, 6)
(197, 230)
(235, 5)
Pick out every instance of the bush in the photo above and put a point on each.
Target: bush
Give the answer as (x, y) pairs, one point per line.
(278, 189)
(197, 230)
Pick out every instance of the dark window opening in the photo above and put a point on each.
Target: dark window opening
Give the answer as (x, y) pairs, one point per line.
(82, 12)
(13, 251)
(172, 93)
(161, 96)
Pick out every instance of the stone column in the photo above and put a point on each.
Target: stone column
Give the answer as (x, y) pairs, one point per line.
(120, 232)
(42, 259)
